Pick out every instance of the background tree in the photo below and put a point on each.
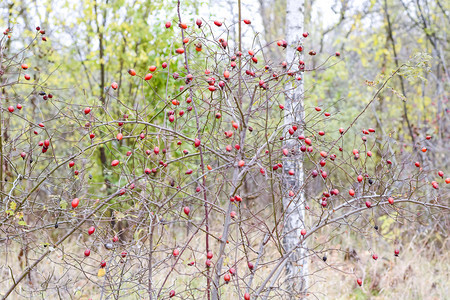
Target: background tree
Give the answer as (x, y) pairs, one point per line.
(294, 208)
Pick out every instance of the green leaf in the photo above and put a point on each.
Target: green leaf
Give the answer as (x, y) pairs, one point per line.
(63, 204)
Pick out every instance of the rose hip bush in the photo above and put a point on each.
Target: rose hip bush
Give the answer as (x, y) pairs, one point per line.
(178, 192)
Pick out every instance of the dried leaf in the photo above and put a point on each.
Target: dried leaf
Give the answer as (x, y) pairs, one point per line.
(101, 272)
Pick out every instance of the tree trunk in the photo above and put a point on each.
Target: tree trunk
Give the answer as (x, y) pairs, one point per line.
(294, 207)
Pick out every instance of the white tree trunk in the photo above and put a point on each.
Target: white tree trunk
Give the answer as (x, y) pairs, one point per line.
(294, 207)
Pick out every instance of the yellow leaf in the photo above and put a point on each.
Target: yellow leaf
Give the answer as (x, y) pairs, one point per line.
(101, 272)
(119, 215)
(12, 205)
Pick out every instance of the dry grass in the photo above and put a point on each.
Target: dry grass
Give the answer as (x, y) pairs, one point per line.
(420, 272)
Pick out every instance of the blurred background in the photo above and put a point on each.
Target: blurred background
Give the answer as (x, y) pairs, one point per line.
(92, 43)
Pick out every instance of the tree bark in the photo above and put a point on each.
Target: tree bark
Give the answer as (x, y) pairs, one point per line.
(397, 64)
(294, 207)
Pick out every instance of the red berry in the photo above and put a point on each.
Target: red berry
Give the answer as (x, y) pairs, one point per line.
(171, 293)
(132, 72)
(246, 296)
(209, 255)
(87, 252)
(175, 252)
(168, 24)
(368, 204)
(391, 200)
(197, 143)
(11, 109)
(87, 110)
(148, 76)
(114, 85)
(114, 163)
(187, 210)
(91, 230)
(75, 202)
(359, 281)
(246, 21)
(303, 232)
(351, 192)
(227, 278)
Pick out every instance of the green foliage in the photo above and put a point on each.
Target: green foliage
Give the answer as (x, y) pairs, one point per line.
(418, 65)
